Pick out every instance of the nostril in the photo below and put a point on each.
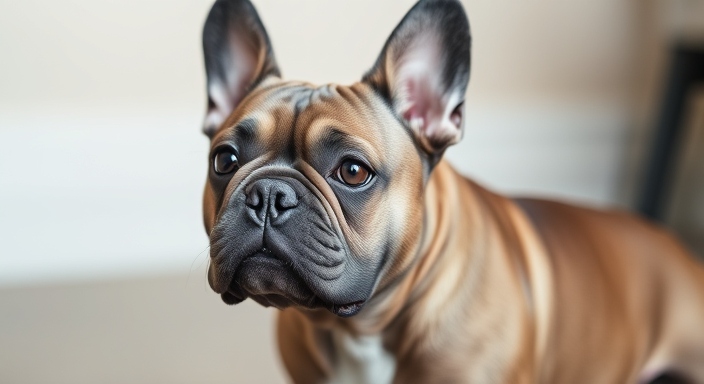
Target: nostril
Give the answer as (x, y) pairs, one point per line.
(285, 201)
(270, 201)
(254, 199)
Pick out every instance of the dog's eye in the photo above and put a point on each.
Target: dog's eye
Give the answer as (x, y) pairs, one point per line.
(225, 162)
(353, 173)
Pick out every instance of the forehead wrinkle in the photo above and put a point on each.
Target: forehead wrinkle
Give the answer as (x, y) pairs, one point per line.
(322, 93)
(362, 125)
(335, 138)
(278, 134)
(253, 99)
(301, 101)
(370, 98)
(246, 129)
(271, 91)
(357, 114)
(352, 111)
(329, 132)
(272, 105)
(266, 95)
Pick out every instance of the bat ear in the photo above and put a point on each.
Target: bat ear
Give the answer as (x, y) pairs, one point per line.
(238, 55)
(423, 71)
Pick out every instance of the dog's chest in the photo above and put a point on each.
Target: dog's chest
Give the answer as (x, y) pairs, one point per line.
(361, 360)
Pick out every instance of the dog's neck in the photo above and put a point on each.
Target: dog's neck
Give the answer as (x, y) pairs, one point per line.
(443, 224)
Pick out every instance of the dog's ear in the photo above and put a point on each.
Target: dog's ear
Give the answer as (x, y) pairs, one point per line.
(238, 55)
(423, 72)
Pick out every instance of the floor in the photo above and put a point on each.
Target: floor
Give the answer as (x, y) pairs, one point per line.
(150, 330)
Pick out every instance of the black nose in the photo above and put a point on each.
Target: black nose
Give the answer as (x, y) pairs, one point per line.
(270, 197)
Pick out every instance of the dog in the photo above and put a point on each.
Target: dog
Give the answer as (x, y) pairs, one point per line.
(333, 204)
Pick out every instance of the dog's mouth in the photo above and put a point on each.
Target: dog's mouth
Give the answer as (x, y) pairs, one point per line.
(273, 282)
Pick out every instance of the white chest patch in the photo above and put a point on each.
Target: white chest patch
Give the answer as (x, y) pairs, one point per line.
(361, 360)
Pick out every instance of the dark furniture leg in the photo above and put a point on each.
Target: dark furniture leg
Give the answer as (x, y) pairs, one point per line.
(686, 70)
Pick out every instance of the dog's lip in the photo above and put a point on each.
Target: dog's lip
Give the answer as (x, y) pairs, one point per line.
(264, 252)
(347, 310)
(235, 294)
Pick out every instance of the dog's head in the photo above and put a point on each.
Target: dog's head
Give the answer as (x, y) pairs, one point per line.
(314, 195)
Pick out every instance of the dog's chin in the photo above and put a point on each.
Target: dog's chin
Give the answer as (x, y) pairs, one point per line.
(272, 283)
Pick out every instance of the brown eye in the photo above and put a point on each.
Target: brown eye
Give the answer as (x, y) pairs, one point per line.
(225, 162)
(353, 173)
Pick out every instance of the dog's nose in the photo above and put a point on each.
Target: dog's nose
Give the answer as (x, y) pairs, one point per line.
(270, 197)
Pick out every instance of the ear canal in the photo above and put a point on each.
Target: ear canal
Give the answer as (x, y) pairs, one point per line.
(238, 55)
(423, 71)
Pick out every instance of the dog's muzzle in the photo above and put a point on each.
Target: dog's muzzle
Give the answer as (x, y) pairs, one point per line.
(276, 243)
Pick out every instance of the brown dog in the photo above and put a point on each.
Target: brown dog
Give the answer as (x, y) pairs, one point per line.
(333, 204)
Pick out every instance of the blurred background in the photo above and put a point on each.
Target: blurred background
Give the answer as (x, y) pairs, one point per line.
(102, 163)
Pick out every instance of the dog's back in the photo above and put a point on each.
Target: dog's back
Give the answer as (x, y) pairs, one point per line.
(644, 296)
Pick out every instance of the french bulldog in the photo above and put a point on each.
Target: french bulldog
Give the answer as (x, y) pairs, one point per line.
(333, 204)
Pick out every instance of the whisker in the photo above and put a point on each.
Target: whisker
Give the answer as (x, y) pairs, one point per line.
(205, 288)
(197, 256)
(201, 263)
(190, 270)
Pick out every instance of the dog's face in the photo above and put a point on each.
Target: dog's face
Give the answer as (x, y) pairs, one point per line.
(314, 195)
(323, 192)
